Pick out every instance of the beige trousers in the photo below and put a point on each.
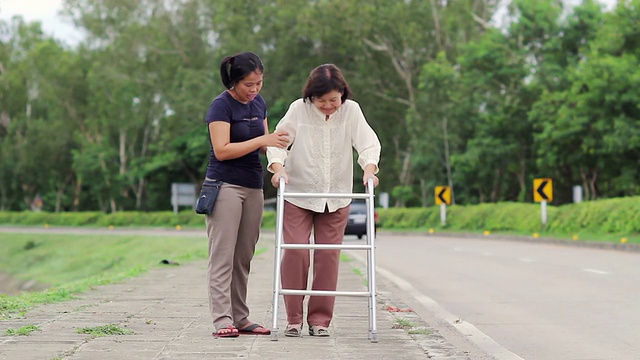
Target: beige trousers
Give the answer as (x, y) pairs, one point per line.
(233, 230)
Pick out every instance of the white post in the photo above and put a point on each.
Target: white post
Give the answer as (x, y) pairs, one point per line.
(443, 214)
(174, 197)
(543, 209)
(577, 194)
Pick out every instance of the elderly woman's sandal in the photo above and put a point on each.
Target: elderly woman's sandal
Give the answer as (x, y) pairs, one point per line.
(317, 330)
(293, 330)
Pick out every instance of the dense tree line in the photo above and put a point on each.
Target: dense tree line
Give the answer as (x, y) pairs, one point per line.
(461, 93)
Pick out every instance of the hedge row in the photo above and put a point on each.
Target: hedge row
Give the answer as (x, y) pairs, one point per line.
(611, 216)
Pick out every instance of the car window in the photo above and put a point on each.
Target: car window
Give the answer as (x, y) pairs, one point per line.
(358, 207)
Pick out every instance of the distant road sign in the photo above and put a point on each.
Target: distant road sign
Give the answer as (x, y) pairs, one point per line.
(183, 194)
(542, 189)
(443, 195)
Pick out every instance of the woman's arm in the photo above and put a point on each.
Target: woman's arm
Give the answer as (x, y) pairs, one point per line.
(224, 149)
(263, 149)
(288, 124)
(367, 144)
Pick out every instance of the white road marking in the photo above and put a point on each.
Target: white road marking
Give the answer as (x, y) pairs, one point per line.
(596, 271)
(490, 346)
(486, 253)
(526, 260)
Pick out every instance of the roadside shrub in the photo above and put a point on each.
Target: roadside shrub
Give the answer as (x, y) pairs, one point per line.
(609, 216)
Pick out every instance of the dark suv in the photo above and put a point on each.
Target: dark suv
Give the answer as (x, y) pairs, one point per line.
(357, 223)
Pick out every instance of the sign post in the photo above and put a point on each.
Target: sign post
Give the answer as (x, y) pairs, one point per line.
(383, 200)
(542, 193)
(443, 198)
(182, 194)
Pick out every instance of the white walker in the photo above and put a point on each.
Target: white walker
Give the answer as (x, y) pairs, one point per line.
(370, 247)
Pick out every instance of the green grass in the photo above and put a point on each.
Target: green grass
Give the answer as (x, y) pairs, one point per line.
(104, 330)
(419, 331)
(402, 323)
(412, 329)
(23, 331)
(345, 258)
(63, 259)
(71, 264)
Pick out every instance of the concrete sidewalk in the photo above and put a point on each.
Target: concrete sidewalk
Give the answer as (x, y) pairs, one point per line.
(167, 311)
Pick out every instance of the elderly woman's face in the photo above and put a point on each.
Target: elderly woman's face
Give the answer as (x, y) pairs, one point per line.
(329, 102)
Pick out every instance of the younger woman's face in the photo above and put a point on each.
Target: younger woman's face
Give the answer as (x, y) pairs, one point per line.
(249, 87)
(329, 102)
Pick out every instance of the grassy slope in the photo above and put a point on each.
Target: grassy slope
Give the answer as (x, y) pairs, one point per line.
(75, 263)
(58, 259)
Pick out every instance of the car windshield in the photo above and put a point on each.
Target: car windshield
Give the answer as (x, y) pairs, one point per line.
(358, 207)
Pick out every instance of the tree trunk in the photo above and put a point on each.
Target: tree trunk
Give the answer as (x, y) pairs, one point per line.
(592, 184)
(585, 184)
(76, 195)
(521, 179)
(495, 191)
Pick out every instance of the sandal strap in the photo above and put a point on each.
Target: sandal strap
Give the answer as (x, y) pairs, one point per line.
(293, 329)
(318, 330)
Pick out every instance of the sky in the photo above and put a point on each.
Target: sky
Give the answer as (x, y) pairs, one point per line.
(46, 11)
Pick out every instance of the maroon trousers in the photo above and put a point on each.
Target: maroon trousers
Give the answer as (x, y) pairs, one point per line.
(328, 229)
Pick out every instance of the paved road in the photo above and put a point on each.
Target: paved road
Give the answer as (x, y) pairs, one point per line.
(522, 299)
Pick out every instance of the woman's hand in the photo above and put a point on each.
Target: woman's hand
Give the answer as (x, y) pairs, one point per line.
(278, 139)
(278, 172)
(368, 174)
(366, 177)
(275, 179)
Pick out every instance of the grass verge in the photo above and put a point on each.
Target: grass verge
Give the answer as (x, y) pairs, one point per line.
(69, 264)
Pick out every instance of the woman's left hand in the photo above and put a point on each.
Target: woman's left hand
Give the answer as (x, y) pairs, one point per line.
(369, 175)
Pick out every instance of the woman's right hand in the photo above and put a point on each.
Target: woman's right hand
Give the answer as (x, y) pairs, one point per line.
(275, 179)
(279, 139)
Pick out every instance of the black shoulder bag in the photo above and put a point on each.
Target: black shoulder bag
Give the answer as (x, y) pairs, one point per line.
(208, 196)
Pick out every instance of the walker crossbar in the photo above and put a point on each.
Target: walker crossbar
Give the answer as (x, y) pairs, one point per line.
(370, 247)
(324, 293)
(326, 246)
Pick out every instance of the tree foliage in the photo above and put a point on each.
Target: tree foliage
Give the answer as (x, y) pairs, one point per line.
(457, 97)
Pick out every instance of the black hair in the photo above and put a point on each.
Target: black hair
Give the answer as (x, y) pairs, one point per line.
(324, 79)
(236, 67)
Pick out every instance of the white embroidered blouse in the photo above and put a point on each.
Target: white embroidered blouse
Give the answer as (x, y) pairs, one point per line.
(320, 156)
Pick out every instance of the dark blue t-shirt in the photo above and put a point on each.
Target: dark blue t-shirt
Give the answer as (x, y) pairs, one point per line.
(247, 122)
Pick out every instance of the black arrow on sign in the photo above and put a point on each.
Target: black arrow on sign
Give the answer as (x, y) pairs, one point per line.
(440, 195)
(541, 187)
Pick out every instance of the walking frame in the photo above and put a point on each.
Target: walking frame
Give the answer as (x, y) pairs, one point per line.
(370, 247)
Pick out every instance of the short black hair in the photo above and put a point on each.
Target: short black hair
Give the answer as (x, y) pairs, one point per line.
(236, 67)
(324, 79)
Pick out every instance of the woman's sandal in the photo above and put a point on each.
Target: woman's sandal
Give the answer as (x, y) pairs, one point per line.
(317, 330)
(293, 330)
(254, 329)
(228, 331)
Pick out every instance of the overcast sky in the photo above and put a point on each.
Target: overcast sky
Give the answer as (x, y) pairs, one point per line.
(46, 11)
